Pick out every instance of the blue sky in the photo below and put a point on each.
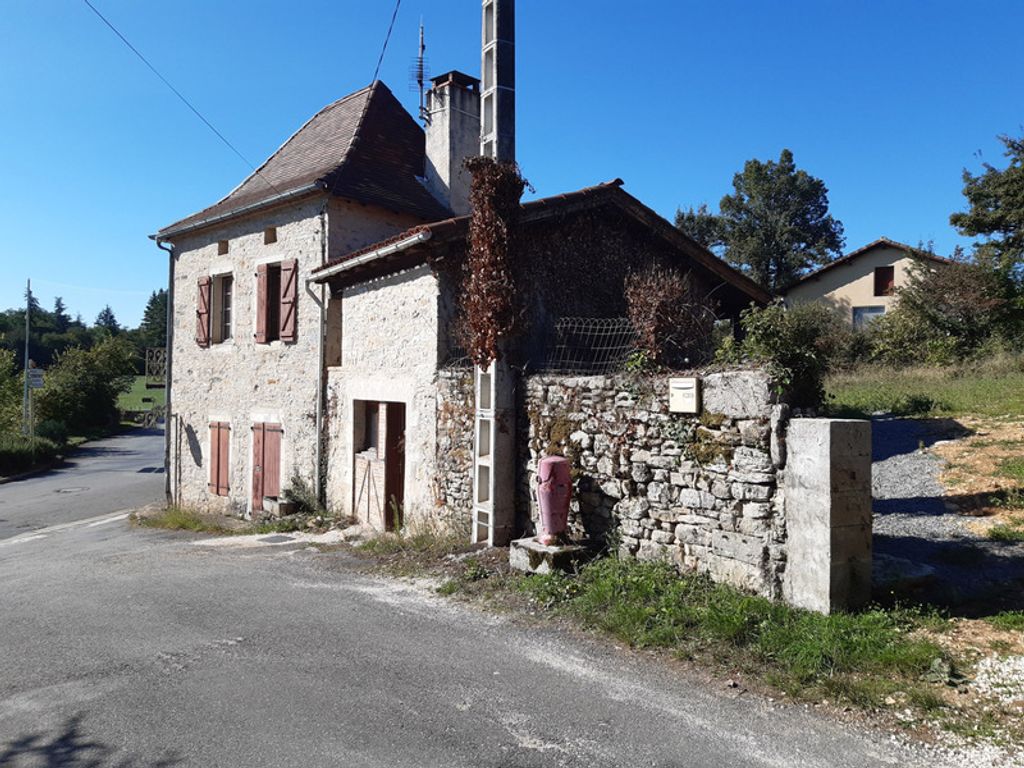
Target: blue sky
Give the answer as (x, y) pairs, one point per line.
(885, 101)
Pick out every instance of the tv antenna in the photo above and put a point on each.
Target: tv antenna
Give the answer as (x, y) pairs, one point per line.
(419, 75)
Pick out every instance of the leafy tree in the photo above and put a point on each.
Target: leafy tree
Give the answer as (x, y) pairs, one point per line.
(11, 382)
(996, 210)
(153, 330)
(774, 226)
(82, 386)
(106, 320)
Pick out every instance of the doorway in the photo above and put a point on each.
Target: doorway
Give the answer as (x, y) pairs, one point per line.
(266, 463)
(379, 463)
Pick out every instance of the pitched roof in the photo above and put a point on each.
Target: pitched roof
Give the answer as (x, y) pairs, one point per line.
(365, 147)
(882, 242)
(402, 251)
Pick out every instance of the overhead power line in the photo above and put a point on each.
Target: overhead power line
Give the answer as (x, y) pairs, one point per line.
(185, 101)
(384, 48)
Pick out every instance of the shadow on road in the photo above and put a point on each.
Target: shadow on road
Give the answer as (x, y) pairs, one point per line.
(889, 437)
(69, 747)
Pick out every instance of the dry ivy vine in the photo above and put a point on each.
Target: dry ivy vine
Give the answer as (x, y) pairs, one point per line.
(490, 301)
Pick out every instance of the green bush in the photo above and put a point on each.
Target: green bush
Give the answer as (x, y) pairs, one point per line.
(53, 430)
(11, 383)
(83, 385)
(798, 344)
(19, 453)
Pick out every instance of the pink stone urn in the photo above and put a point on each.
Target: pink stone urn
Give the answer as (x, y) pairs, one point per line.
(553, 493)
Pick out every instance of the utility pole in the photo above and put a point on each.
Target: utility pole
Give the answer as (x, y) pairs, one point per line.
(26, 418)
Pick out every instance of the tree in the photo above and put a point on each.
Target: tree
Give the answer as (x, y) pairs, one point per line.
(774, 226)
(996, 210)
(702, 225)
(82, 386)
(61, 319)
(105, 319)
(153, 330)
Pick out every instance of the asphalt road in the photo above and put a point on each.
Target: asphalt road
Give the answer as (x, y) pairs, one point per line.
(135, 647)
(118, 473)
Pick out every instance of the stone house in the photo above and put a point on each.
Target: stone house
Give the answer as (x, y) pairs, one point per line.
(313, 307)
(862, 285)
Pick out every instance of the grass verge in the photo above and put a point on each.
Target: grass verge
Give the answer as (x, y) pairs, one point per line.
(861, 659)
(982, 390)
(185, 519)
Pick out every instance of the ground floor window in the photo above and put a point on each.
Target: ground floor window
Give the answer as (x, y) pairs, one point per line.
(862, 316)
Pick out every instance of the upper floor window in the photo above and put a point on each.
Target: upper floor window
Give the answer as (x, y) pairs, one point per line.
(214, 309)
(270, 235)
(276, 297)
(885, 281)
(222, 247)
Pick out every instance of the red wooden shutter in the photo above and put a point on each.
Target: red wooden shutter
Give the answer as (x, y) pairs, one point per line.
(223, 470)
(220, 449)
(203, 312)
(289, 294)
(257, 466)
(261, 304)
(272, 460)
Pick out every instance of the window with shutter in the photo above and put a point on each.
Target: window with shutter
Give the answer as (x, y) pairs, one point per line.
(220, 454)
(203, 312)
(277, 290)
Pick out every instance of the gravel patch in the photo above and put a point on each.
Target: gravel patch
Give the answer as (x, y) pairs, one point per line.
(974, 576)
(1001, 677)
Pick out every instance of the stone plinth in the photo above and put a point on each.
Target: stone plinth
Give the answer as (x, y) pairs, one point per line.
(531, 556)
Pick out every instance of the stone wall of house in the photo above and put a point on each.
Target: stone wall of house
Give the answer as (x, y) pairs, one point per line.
(702, 491)
(239, 381)
(453, 491)
(389, 354)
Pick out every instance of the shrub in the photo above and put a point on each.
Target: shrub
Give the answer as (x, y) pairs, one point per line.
(797, 344)
(673, 322)
(53, 430)
(82, 386)
(19, 453)
(11, 382)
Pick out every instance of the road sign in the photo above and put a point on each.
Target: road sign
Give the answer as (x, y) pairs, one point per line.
(35, 378)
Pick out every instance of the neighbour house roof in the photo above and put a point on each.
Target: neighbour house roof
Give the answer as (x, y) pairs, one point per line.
(364, 147)
(882, 242)
(409, 248)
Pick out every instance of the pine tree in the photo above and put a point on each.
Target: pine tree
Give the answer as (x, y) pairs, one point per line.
(106, 320)
(153, 329)
(61, 319)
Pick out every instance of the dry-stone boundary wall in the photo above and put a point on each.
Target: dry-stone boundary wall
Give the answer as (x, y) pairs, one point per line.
(700, 490)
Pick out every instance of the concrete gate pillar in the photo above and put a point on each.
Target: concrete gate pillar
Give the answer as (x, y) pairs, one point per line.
(828, 514)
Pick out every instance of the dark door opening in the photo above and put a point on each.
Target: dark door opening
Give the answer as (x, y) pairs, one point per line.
(379, 463)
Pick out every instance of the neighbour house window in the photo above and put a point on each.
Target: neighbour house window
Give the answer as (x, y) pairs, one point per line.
(862, 316)
(885, 281)
(220, 453)
(270, 235)
(276, 296)
(222, 247)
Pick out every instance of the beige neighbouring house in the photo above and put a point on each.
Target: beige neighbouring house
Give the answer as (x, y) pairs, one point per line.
(863, 284)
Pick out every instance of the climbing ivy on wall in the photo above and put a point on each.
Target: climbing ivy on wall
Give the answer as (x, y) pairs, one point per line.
(490, 302)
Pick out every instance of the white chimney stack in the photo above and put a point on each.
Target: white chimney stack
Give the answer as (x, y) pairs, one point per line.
(453, 134)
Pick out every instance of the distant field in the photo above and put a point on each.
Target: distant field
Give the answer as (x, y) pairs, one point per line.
(995, 389)
(132, 400)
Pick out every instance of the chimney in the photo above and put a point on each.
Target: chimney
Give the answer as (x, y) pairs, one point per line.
(453, 134)
(498, 69)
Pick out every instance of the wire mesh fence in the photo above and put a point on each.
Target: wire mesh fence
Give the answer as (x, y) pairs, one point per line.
(590, 345)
